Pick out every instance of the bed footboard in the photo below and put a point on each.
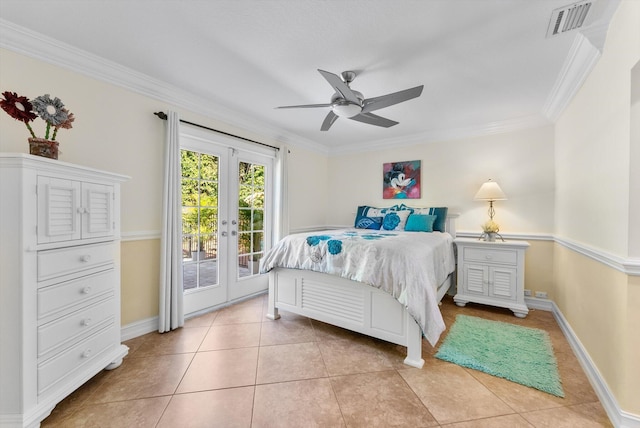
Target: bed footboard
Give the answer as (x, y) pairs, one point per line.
(347, 304)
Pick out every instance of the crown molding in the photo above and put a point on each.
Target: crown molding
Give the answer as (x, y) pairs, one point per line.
(582, 57)
(38, 46)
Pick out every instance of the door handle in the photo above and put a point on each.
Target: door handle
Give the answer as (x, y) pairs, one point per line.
(234, 233)
(224, 222)
(233, 222)
(223, 233)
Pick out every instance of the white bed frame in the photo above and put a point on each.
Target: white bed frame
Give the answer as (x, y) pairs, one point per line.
(350, 304)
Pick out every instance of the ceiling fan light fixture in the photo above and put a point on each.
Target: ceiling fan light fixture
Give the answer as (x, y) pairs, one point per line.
(346, 109)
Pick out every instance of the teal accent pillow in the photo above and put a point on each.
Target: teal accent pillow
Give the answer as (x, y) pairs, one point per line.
(440, 212)
(374, 223)
(365, 214)
(420, 223)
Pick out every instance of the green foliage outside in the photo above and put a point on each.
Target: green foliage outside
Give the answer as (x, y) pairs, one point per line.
(200, 187)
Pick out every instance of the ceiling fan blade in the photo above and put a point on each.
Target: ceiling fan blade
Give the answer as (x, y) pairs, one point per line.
(328, 121)
(371, 104)
(373, 119)
(307, 106)
(340, 87)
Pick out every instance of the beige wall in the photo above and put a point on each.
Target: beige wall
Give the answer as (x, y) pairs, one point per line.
(596, 167)
(452, 172)
(308, 190)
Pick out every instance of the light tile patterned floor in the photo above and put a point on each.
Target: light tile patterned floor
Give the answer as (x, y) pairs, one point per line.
(236, 368)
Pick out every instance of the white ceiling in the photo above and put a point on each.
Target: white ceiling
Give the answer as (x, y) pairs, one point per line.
(486, 65)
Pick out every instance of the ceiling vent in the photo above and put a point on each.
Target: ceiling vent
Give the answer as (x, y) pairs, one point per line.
(568, 18)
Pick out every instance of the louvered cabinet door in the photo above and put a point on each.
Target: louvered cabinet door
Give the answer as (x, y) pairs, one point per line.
(70, 210)
(59, 210)
(97, 210)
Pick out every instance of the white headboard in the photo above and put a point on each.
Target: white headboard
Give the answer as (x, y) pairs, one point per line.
(450, 224)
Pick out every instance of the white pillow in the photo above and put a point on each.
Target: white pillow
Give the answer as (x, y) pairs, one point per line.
(395, 220)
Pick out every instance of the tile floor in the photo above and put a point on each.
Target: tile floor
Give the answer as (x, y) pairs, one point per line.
(236, 368)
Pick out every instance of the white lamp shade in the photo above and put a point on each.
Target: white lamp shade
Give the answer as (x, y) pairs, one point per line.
(490, 191)
(346, 109)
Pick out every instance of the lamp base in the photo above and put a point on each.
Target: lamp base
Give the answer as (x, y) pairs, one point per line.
(490, 237)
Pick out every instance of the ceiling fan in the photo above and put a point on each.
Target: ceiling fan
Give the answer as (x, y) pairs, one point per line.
(351, 104)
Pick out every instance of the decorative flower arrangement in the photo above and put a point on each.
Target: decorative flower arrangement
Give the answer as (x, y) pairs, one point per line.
(52, 111)
(490, 227)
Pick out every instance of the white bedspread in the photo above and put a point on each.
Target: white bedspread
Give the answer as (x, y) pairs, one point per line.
(407, 265)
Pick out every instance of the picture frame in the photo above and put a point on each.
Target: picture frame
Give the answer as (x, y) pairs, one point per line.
(401, 180)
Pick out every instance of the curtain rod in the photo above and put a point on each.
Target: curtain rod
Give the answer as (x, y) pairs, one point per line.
(162, 115)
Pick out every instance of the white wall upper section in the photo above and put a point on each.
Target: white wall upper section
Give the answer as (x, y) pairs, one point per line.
(452, 172)
(634, 179)
(593, 146)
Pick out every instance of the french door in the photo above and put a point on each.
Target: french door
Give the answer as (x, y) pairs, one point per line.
(226, 220)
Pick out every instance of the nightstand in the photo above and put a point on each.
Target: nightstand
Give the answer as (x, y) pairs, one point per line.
(491, 273)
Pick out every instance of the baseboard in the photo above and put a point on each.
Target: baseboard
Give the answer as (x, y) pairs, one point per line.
(618, 417)
(138, 328)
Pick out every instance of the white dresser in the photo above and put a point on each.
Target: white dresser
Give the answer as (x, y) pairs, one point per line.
(59, 282)
(491, 273)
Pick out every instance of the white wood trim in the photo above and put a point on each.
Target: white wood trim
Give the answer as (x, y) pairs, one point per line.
(140, 235)
(627, 265)
(618, 417)
(138, 328)
(582, 57)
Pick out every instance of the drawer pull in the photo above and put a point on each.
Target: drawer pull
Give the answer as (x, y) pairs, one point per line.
(86, 322)
(86, 290)
(85, 258)
(86, 354)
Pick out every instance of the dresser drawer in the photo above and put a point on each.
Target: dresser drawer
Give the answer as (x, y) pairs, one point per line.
(66, 330)
(490, 255)
(70, 294)
(55, 263)
(70, 361)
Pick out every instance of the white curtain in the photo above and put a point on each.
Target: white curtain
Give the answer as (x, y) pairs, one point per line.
(171, 308)
(281, 223)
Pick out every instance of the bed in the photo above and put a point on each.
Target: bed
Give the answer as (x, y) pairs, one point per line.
(335, 277)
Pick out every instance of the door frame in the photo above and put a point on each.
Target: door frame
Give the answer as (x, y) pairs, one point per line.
(231, 150)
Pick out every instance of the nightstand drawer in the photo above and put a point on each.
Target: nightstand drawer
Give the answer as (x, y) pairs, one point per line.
(490, 255)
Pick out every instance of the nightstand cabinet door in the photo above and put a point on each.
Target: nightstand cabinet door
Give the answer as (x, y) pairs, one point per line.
(503, 283)
(476, 279)
(491, 273)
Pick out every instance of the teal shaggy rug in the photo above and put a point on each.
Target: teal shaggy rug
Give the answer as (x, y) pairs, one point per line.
(520, 354)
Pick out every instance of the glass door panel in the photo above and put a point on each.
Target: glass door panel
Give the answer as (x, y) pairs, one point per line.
(201, 204)
(225, 217)
(253, 178)
(250, 213)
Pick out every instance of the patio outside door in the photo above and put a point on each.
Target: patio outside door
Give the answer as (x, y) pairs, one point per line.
(226, 221)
